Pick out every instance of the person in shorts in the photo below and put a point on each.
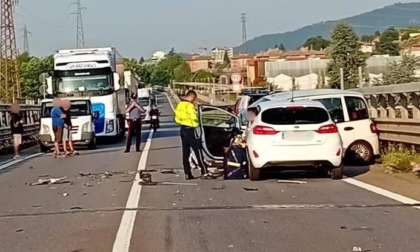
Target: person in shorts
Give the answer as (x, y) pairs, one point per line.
(57, 117)
(16, 127)
(67, 135)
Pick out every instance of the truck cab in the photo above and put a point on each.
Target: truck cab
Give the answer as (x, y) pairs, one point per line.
(82, 118)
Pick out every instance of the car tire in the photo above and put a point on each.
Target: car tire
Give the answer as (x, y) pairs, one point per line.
(337, 173)
(254, 174)
(360, 152)
(43, 148)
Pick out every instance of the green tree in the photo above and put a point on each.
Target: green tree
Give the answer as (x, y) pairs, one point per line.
(346, 54)
(388, 43)
(202, 76)
(182, 72)
(160, 76)
(132, 65)
(30, 70)
(316, 43)
(226, 60)
(145, 73)
(401, 72)
(141, 61)
(282, 47)
(172, 52)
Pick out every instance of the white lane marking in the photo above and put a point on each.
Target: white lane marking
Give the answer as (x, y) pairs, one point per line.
(11, 163)
(125, 230)
(123, 238)
(383, 192)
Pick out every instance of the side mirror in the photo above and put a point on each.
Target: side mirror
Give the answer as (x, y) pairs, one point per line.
(117, 85)
(95, 115)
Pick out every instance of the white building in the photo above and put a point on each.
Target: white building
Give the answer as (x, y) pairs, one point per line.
(218, 54)
(159, 55)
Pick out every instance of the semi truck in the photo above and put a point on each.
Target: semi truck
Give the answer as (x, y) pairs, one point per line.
(97, 73)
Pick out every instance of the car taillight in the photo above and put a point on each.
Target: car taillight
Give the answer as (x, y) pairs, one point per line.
(263, 130)
(373, 128)
(328, 129)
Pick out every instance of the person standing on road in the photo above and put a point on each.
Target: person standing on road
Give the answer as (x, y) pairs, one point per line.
(16, 127)
(67, 135)
(57, 117)
(134, 123)
(186, 116)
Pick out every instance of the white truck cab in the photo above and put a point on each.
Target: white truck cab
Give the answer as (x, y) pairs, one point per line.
(82, 118)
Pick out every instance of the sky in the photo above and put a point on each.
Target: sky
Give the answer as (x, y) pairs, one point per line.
(140, 27)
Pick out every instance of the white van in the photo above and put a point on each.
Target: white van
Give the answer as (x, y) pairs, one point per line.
(82, 118)
(349, 110)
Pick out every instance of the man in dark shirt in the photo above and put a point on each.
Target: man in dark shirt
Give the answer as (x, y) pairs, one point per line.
(16, 127)
(67, 135)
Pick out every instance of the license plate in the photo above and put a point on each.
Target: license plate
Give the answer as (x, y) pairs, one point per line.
(297, 136)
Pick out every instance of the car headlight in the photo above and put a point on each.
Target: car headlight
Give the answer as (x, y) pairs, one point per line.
(109, 126)
(85, 127)
(46, 129)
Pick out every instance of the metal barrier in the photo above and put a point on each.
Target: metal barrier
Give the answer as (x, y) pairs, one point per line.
(30, 116)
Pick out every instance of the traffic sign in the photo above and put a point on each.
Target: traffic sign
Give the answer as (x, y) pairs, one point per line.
(43, 78)
(236, 87)
(236, 78)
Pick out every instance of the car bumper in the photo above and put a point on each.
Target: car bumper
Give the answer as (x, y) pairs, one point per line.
(85, 139)
(296, 156)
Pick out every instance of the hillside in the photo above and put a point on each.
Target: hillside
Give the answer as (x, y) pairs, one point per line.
(399, 15)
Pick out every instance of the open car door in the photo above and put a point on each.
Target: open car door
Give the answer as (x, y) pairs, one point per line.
(216, 126)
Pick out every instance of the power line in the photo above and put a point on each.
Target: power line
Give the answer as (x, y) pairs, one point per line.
(80, 36)
(244, 36)
(9, 73)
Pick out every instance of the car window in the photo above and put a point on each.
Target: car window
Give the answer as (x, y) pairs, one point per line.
(254, 99)
(217, 118)
(295, 115)
(334, 107)
(356, 108)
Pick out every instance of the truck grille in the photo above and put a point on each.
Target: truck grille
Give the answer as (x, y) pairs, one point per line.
(74, 129)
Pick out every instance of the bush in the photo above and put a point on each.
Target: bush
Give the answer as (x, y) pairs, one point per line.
(400, 159)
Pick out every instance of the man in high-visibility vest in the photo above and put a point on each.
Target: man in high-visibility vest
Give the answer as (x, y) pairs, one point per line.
(186, 116)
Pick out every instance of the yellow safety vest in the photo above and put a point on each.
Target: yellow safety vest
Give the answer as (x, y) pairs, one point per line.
(186, 115)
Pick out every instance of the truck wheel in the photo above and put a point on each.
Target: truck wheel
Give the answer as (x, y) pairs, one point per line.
(92, 144)
(43, 148)
(337, 173)
(254, 174)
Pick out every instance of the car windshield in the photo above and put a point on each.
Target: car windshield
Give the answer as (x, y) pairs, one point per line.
(90, 83)
(294, 115)
(78, 108)
(144, 102)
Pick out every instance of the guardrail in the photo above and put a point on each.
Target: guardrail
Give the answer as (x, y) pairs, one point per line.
(30, 116)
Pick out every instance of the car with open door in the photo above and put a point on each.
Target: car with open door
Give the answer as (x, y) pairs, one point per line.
(216, 127)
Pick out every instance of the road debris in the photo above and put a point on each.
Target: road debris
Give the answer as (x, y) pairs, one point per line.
(19, 230)
(65, 194)
(36, 205)
(167, 171)
(84, 194)
(88, 185)
(248, 189)
(181, 184)
(44, 176)
(50, 181)
(266, 222)
(230, 246)
(343, 227)
(76, 208)
(82, 174)
(220, 188)
(292, 182)
(146, 183)
(31, 167)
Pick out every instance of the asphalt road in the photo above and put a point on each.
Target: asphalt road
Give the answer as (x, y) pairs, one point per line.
(86, 215)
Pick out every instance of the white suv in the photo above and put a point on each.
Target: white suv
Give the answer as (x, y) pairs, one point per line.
(283, 134)
(294, 134)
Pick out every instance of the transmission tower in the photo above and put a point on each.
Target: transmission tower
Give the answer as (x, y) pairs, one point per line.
(9, 72)
(244, 37)
(80, 35)
(26, 39)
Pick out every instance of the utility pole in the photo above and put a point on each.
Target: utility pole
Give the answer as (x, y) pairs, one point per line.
(26, 39)
(244, 35)
(9, 72)
(80, 35)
